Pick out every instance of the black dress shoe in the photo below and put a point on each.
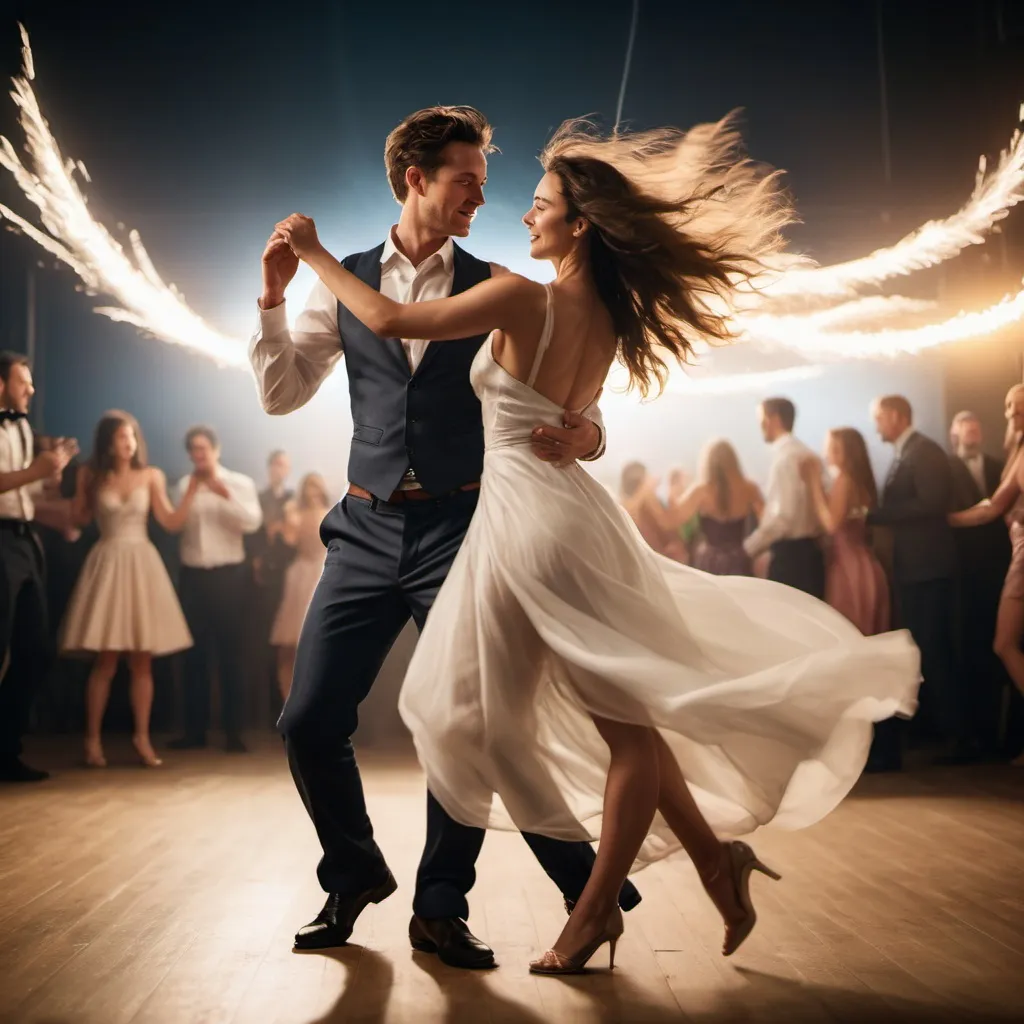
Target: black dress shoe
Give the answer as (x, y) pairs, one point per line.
(13, 769)
(235, 745)
(188, 743)
(334, 924)
(451, 939)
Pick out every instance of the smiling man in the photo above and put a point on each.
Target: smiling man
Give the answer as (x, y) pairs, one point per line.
(414, 470)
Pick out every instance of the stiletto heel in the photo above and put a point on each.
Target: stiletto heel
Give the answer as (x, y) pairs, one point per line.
(741, 862)
(553, 962)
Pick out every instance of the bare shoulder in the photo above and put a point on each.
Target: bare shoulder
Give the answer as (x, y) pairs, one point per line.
(497, 270)
(156, 475)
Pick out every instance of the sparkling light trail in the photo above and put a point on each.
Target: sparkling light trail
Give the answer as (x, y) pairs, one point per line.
(850, 326)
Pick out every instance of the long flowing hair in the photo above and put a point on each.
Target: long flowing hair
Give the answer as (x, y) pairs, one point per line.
(313, 482)
(719, 470)
(1012, 440)
(680, 226)
(101, 462)
(857, 463)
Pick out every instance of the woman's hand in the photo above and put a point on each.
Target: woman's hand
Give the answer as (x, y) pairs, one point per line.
(299, 232)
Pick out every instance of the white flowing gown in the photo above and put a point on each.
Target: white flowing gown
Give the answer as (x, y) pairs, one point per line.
(555, 608)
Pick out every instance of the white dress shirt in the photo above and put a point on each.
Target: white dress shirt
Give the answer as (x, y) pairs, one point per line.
(788, 510)
(290, 365)
(16, 453)
(212, 536)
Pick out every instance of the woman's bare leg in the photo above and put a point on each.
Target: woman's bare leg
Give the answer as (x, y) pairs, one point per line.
(97, 694)
(141, 664)
(1009, 628)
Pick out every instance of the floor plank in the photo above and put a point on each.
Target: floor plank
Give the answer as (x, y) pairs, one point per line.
(130, 896)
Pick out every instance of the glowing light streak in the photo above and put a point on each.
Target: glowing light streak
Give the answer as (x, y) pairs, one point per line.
(86, 246)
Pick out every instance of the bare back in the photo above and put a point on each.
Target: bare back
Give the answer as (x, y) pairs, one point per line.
(567, 360)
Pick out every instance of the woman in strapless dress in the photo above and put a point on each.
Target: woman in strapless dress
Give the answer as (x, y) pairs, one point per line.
(1008, 501)
(855, 582)
(724, 502)
(302, 518)
(124, 602)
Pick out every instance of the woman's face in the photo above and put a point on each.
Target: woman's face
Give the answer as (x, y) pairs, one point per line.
(834, 454)
(124, 444)
(551, 236)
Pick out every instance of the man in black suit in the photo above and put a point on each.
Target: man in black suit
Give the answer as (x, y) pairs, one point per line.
(916, 499)
(983, 555)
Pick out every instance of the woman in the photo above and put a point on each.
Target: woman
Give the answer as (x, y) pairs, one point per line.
(301, 531)
(569, 680)
(637, 494)
(855, 582)
(723, 500)
(1007, 501)
(123, 603)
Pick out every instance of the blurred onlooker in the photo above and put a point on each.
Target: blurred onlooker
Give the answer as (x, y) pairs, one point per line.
(1008, 500)
(25, 643)
(271, 556)
(916, 500)
(123, 603)
(855, 582)
(213, 585)
(637, 494)
(789, 526)
(302, 518)
(725, 503)
(983, 558)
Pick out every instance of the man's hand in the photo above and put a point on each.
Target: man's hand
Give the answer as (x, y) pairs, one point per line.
(51, 463)
(577, 438)
(279, 266)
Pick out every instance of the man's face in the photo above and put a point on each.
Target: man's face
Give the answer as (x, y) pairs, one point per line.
(969, 437)
(279, 469)
(770, 426)
(203, 455)
(888, 422)
(17, 393)
(450, 196)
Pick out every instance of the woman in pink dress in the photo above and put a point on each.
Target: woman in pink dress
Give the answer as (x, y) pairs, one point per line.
(855, 582)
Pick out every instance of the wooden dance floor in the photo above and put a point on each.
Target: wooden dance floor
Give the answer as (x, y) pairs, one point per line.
(170, 897)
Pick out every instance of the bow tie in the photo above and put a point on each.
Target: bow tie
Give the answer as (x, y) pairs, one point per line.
(10, 416)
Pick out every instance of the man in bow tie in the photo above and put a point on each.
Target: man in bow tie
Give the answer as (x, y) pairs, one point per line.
(24, 629)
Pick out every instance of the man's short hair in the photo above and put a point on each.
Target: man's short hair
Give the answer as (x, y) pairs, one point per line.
(783, 408)
(965, 416)
(201, 430)
(277, 453)
(421, 137)
(9, 360)
(897, 404)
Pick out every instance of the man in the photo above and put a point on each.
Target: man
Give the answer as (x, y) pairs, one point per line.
(213, 588)
(414, 472)
(270, 557)
(25, 646)
(916, 500)
(983, 556)
(789, 528)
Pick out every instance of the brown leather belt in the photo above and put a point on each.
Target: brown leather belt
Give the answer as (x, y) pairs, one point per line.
(417, 494)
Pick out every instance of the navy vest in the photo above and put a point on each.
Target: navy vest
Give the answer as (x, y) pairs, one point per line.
(429, 419)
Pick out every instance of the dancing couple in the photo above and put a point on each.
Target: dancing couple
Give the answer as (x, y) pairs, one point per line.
(568, 683)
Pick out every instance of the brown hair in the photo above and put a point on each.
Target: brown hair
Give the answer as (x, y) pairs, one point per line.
(201, 430)
(420, 139)
(101, 462)
(856, 463)
(719, 469)
(9, 360)
(897, 404)
(784, 409)
(633, 475)
(677, 225)
(316, 481)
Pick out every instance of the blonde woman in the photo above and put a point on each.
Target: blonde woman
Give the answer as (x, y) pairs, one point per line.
(302, 518)
(723, 500)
